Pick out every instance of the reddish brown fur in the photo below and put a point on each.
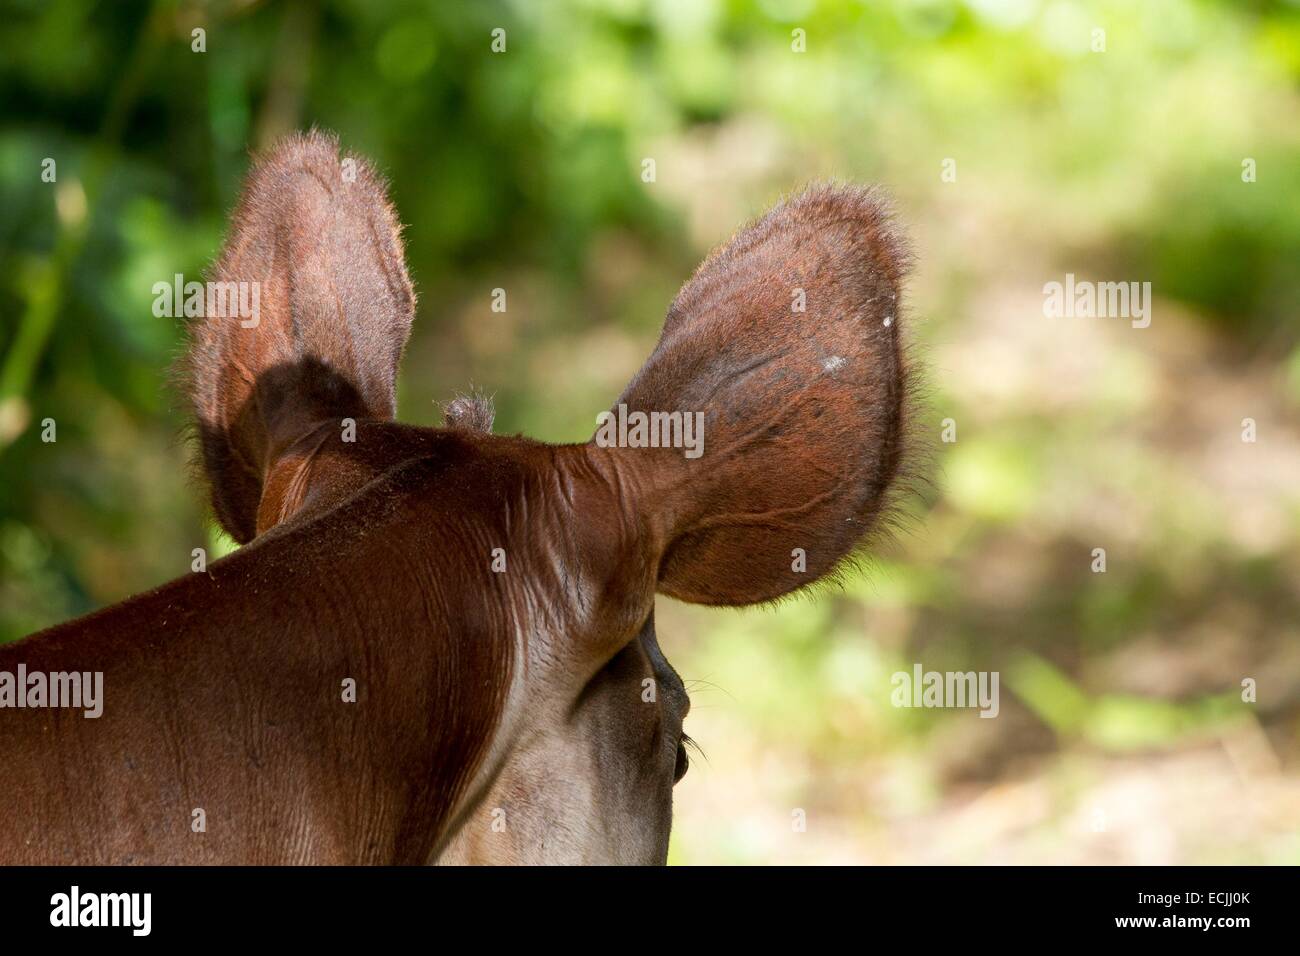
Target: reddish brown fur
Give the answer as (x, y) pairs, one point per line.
(372, 558)
(805, 412)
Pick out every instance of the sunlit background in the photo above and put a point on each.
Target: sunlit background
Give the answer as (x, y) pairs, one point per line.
(1022, 139)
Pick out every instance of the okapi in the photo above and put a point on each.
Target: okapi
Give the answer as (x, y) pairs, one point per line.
(489, 598)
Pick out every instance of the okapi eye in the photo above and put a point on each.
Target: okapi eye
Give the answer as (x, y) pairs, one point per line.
(683, 761)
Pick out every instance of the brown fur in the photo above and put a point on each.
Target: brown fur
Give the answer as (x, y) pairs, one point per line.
(520, 691)
(805, 411)
(336, 311)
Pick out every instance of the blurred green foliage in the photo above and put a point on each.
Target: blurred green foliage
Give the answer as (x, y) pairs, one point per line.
(522, 170)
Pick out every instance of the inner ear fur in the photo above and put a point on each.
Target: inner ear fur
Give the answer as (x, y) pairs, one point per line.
(787, 340)
(315, 232)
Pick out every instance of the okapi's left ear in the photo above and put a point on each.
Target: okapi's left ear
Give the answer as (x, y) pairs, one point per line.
(785, 346)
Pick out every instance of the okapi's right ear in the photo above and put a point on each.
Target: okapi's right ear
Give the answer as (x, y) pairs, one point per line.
(785, 347)
(308, 310)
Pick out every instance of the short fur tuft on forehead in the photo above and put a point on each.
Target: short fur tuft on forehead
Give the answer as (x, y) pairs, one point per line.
(472, 412)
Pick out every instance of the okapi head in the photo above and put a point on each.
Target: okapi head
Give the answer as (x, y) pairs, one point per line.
(502, 590)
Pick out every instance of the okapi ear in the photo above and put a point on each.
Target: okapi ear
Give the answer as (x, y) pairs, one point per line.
(785, 346)
(315, 249)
